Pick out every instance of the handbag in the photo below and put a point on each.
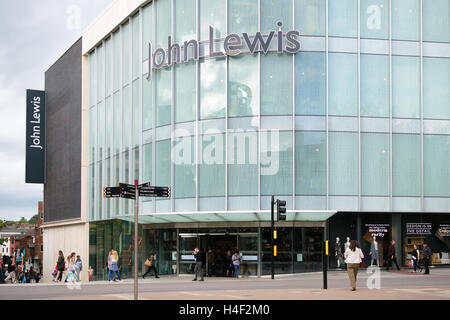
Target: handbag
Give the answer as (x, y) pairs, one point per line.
(410, 263)
(148, 263)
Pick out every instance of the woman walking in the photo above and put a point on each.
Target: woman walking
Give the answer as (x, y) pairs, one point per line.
(71, 265)
(353, 257)
(113, 266)
(415, 254)
(60, 266)
(151, 265)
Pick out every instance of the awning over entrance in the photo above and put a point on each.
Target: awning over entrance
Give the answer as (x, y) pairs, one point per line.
(231, 216)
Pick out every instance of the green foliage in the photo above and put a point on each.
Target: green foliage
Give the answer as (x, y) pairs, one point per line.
(34, 219)
(3, 240)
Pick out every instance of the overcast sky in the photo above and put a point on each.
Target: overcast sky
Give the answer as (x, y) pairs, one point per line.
(33, 35)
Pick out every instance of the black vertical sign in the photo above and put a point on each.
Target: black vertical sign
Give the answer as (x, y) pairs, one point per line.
(35, 139)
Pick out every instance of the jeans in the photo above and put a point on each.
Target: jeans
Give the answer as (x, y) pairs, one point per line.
(2, 276)
(112, 273)
(198, 270)
(416, 265)
(236, 270)
(426, 264)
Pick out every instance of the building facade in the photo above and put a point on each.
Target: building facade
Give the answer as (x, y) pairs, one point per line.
(213, 99)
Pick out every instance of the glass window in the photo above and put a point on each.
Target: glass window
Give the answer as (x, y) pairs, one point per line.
(374, 19)
(147, 108)
(374, 85)
(243, 164)
(375, 164)
(163, 79)
(243, 16)
(310, 17)
(116, 58)
(243, 86)
(117, 122)
(405, 19)
(108, 125)
(136, 43)
(92, 79)
(164, 22)
(343, 164)
(310, 83)
(185, 176)
(136, 164)
(163, 163)
(126, 118)
(436, 166)
(212, 88)
(100, 73)
(101, 128)
(276, 163)
(406, 165)
(186, 92)
(342, 18)
(310, 163)
(343, 84)
(126, 44)
(147, 29)
(92, 133)
(405, 87)
(212, 13)
(436, 88)
(273, 11)
(136, 119)
(147, 163)
(108, 66)
(276, 84)
(436, 17)
(185, 13)
(212, 166)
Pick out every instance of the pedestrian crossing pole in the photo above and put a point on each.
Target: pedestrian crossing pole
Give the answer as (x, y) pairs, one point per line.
(136, 230)
(325, 254)
(272, 236)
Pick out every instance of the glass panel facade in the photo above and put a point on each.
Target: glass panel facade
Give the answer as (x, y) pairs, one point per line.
(436, 87)
(276, 163)
(147, 28)
(243, 86)
(406, 165)
(343, 84)
(310, 163)
(185, 170)
(212, 89)
(342, 18)
(310, 83)
(406, 20)
(147, 105)
(162, 158)
(310, 17)
(436, 20)
(343, 162)
(374, 19)
(276, 85)
(374, 164)
(211, 14)
(243, 16)
(274, 11)
(405, 87)
(163, 21)
(185, 93)
(147, 163)
(374, 85)
(212, 166)
(126, 54)
(185, 24)
(436, 165)
(163, 97)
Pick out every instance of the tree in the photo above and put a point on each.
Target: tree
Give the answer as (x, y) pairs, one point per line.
(23, 220)
(34, 219)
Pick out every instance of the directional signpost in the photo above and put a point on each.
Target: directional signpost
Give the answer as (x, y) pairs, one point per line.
(133, 192)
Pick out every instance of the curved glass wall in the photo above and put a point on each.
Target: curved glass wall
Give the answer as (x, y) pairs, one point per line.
(338, 126)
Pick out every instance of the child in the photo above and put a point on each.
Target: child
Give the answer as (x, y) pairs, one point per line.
(91, 273)
(54, 273)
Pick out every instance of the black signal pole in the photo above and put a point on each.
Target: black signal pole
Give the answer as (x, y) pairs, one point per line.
(271, 237)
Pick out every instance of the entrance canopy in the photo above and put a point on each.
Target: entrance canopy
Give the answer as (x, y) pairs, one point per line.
(231, 216)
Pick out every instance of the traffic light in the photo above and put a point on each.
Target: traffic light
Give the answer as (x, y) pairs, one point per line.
(281, 210)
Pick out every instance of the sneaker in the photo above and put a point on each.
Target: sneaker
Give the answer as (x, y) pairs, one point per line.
(194, 280)
(156, 277)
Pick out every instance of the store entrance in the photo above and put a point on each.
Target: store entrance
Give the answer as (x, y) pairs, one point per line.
(216, 248)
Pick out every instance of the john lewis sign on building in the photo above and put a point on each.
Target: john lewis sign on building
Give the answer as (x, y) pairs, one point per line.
(232, 46)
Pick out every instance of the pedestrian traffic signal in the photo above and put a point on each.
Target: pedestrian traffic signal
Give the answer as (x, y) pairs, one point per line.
(281, 210)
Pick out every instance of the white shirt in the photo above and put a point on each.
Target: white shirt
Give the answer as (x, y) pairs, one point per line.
(353, 256)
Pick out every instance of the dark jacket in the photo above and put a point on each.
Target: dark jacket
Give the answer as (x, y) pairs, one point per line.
(391, 251)
(427, 253)
(61, 263)
(198, 257)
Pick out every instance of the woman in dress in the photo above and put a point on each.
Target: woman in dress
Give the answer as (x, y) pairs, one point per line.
(113, 266)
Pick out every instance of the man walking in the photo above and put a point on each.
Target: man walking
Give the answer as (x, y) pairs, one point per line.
(391, 256)
(427, 253)
(236, 263)
(198, 264)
